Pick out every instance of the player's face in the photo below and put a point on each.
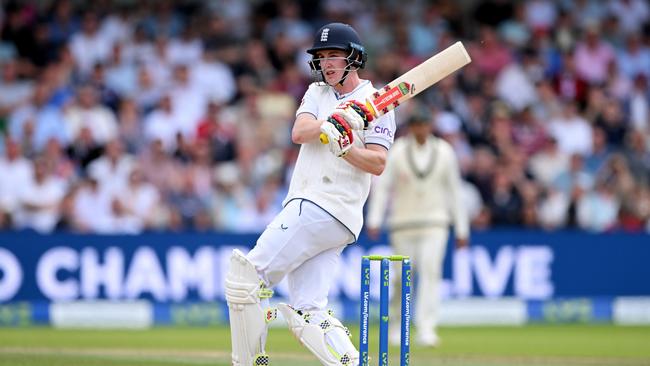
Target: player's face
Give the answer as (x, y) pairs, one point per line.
(421, 130)
(333, 64)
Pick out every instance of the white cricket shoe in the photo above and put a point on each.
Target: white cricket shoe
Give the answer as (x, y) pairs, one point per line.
(394, 337)
(428, 339)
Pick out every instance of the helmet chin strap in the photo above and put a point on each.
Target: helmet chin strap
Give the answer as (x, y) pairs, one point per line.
(346, 72)
(345, 75)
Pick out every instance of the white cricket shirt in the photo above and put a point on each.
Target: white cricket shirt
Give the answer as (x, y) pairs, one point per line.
(423, 184)
(330, 182)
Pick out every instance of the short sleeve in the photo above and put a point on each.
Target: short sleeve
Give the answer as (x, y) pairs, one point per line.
(382, 132)
(309, 102)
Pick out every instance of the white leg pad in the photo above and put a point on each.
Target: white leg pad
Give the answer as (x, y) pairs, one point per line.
(249, 314)
(323, 335)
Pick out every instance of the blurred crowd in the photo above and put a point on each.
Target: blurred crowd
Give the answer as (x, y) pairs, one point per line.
(125, 116)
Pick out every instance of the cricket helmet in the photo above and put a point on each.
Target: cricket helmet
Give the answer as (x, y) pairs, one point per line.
(338, 36)
(342, 37)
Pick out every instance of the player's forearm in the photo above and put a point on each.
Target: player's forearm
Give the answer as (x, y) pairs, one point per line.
(371, 159)
(306, 129)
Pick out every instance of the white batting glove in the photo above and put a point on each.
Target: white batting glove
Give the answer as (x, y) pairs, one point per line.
(330, 131)
(340, 146)
(353, 118)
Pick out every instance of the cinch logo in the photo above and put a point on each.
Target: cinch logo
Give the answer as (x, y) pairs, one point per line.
(324, 35)
(384, 130)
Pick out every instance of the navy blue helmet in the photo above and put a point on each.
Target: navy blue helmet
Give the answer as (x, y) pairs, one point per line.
(338, 36)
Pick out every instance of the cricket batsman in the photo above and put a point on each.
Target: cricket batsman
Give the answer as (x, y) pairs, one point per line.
(323, 210)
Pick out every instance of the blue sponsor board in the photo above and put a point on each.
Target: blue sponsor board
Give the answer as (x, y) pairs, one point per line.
(571, 310)
(190, 267)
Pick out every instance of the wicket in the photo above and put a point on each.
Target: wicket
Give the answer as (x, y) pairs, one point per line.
(383, 308)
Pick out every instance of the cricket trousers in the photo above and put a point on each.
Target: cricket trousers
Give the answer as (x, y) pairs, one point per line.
(426, 247)
(303, 243)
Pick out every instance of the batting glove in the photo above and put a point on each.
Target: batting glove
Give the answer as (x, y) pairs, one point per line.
(341, 146)
(330, 130)
(356, 114)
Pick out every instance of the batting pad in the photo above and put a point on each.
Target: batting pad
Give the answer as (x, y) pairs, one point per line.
(323, 335)
(249, 314)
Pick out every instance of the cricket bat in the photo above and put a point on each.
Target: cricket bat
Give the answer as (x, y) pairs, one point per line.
(416, 80)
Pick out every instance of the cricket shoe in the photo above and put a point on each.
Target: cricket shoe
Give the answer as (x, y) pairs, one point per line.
(427, 340)
(394, 337)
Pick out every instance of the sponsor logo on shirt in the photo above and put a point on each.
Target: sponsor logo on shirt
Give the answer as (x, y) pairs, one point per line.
(384, 131)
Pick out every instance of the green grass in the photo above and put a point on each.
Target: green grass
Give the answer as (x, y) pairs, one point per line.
(557, 345)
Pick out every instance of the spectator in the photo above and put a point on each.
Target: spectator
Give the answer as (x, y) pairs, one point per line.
(188, 100)
(515, 31)
(105, 93)
(548, 105)
(505, 202)
(448, 127)
(186, 49)
(164, 20)
(63, 22)
(631, 14)
(637, 155)
(38, 199)
(130, 129)
(210, 71)
(600, 152)
(482, 170)
(13, 91)
(592, 56)
(188, 87)
(574, 177)
(528, 133)
(58, 162)
(613, 123)
(113, 168)
(36, 122)
(162, 124)
(92, 212)
(188, 203)
(548, 163)
(84, 149)
(222, 138)
(491, 55)
(159, 169)
(590, 11)
(87, 111)
(16, 172)
(541, 15)
(268, 203)
(230, 198)
(634, 59)
(121, 73)
(553, 209)
(147, 94)
(515, 83)
(290, 24)
(638, 104)
(89, 46)
(569, 84)
(572, 132)
(597, 210)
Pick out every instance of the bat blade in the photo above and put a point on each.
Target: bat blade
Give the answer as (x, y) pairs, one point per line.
(420, 78)
(416, 80)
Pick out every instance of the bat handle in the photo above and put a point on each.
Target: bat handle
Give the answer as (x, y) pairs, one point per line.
(323, 139)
